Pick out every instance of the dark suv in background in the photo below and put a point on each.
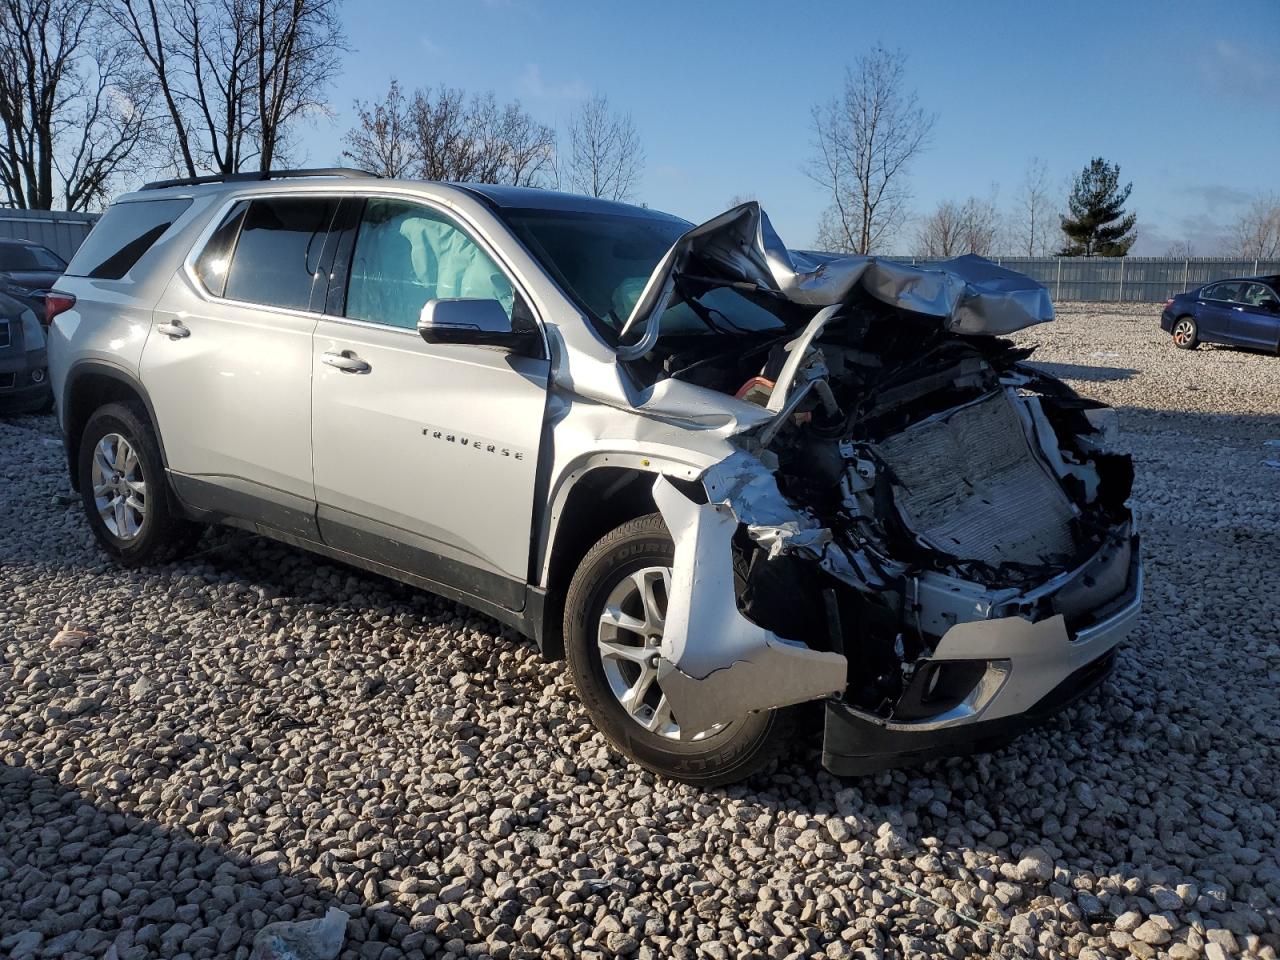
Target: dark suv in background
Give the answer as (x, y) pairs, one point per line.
(27, 271)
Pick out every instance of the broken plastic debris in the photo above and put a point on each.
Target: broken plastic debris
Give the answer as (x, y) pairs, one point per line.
(319, 939)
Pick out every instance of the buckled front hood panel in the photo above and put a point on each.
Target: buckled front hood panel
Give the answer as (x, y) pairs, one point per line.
(970, 295)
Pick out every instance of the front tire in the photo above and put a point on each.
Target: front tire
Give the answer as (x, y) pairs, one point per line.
(612, 623)
(126, 497)
(1186, 335)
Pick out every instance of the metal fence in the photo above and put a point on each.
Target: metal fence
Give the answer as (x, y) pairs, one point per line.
(62, 231)
(1138, 279)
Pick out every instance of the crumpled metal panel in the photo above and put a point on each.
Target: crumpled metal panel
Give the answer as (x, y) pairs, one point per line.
(970, 294)
(715, 665)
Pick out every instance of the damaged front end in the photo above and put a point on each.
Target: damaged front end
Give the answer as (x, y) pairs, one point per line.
(927, 533)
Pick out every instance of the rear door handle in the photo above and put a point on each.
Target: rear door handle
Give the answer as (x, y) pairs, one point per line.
(174, 330)
(347, 362)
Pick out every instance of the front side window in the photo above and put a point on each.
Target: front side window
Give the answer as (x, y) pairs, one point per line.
(125, 232)
(277, 255)
(406, 254)
(1256, 295)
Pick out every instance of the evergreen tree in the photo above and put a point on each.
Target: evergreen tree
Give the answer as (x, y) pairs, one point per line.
(1096, 224)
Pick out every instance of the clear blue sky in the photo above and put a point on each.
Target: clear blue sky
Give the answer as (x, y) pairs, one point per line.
(1184, 96)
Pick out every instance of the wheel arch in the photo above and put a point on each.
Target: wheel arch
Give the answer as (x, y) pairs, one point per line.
(599, 497)
(92, 384)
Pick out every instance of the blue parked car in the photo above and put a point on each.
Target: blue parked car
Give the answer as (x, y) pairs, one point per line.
(1244, 312)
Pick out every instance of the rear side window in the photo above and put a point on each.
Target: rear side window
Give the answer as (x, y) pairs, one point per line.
(215, 259)
(278, 253)
(125, 232)
(1223, 291)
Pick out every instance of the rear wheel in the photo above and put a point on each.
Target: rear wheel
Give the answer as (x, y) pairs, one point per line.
(126, 498)
(615, 614)
(1186, 336)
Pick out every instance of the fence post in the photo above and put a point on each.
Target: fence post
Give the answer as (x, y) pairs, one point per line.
(1186, 273)
(1122, 279)
(1057, 289)
(1255, 266)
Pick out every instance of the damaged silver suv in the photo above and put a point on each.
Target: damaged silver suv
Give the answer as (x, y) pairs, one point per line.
(719, 477)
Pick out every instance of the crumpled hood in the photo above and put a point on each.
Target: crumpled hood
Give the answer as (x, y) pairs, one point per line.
(970, 294)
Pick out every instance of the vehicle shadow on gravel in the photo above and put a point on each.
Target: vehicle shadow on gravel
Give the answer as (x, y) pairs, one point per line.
(90, 876)
(1080, 371)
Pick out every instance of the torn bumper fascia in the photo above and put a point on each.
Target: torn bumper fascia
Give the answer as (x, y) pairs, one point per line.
(715, 665)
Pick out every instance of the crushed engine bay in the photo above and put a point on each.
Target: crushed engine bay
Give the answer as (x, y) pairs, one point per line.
(913, 477)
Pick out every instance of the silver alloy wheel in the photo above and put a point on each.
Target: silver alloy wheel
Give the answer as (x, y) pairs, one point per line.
(119, 487)
(1183, 332)
(629, 636)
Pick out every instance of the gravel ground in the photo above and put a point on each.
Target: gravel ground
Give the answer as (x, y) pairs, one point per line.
(255, 735)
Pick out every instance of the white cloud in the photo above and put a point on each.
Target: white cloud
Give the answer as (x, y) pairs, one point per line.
(534, 86)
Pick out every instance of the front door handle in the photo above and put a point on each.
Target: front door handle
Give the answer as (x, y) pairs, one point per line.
(347, 362)
(174, 330)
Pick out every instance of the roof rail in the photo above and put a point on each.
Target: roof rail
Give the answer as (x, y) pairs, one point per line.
(255, 175)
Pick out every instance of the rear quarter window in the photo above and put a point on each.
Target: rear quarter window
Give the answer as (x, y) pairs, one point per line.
(125, 232)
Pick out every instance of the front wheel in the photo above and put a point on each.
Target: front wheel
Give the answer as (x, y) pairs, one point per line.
(1186, 336)
(126, 497)
(614, 617)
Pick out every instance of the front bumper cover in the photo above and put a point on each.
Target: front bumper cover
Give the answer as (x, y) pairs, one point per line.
(1033, 670)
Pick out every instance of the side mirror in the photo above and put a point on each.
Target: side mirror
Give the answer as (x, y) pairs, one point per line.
(481, 322)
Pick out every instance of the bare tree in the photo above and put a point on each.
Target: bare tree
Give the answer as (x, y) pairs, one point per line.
(1180, 250)
(72, 108)
(953, 229)
(1256, 233)
(939, 233)
(605, 156)
(234, 75)
(382, 141)
(442, 135)
(865, 140)
(1035, 219)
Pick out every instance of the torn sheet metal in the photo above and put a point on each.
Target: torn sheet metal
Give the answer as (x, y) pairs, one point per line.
(716, 666)
(970, 294)
(742, 483)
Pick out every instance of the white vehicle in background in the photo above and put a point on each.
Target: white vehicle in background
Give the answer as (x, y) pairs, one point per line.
(722, 478)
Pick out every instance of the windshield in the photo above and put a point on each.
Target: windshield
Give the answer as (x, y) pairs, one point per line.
(20, 256)
(603, 260)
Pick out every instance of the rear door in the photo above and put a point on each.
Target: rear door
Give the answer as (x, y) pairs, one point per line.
(1255, 322)
(228, 362)
(1213, 318)
(425, 454)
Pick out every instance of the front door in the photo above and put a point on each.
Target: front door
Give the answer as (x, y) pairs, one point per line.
(1256, 319)
(228, 364)
(425, 454)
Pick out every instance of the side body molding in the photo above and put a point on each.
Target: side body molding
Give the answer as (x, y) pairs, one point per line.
(715, 665)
